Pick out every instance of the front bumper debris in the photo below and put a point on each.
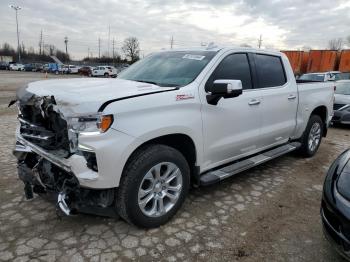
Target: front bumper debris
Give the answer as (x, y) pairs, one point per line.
(42, 172)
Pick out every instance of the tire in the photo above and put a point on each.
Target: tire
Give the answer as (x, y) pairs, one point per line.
(140, 170)
(308, 148)
(106, 75)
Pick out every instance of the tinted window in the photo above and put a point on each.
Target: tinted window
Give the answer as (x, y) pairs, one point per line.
(234, 67)
(270, 71)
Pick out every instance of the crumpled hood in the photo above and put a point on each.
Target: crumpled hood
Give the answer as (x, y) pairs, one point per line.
(86, 95)
(342, 99)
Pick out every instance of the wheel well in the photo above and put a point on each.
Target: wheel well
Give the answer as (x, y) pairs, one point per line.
(321, 111)
(183, 143)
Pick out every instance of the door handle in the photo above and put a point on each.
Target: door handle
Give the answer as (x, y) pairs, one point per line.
(292, 97)
(254, 102)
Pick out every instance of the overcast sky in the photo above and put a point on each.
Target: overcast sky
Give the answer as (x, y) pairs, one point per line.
(282, 23)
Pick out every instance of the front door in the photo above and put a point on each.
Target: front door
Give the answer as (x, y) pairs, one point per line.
(231, 129)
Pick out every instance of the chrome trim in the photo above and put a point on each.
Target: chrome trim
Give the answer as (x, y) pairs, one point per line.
(36, 137)
(26, 122)
(61, 201)
(62, 163)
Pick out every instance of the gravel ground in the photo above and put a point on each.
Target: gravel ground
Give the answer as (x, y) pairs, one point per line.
(269, 213)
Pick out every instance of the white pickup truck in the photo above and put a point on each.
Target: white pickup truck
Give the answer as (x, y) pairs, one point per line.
(133, 145)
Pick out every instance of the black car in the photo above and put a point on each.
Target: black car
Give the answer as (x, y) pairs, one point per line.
(29, 67)
(335, 207)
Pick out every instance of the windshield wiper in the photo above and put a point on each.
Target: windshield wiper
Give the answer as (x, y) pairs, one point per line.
(158, 84)
(148, 82)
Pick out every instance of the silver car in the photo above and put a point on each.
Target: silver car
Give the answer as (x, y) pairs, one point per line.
(342, 102)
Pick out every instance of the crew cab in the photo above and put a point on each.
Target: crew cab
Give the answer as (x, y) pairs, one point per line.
(132, 146)
(106, 71)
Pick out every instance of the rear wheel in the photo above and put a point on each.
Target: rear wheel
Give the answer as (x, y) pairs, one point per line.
(312, 137)
(154, 186)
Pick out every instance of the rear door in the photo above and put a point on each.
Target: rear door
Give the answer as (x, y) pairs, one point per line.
(279, 100)
(231, 128)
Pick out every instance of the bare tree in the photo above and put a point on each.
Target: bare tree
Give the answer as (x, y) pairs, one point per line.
(131, 48)
(335, 44)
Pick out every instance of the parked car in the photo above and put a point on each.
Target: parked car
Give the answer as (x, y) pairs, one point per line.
(319, 77)
(342, 76)
(4, 66)
(29, 67)
(133, 145)
(16, 67)
(106, 71)
(54, 68)
(85, 70)
(342, 102)
(335, 207)
(73, 69)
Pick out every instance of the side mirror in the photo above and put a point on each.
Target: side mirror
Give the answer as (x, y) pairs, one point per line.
(224, 88)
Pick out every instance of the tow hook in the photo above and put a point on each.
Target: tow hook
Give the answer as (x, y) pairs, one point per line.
(62, 204)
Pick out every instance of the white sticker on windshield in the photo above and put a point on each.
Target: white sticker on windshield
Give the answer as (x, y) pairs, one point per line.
(193, 57)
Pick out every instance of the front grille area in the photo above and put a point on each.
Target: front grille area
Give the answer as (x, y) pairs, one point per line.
(43, 126)
(338, 106)
(331, 217)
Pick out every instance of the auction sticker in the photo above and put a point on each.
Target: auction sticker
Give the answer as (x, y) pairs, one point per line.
(193, 57)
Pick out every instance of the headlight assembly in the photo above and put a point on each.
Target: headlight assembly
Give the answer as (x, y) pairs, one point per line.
(91, 124)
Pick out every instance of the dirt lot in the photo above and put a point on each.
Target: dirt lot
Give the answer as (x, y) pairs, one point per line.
(269, 213)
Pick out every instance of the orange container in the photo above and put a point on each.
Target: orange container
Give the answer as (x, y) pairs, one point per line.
(298, 60)
(322, 61)
(344, 63)
(303, 68)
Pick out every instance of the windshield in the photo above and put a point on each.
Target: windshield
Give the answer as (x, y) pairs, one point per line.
(312, 77)
(343, 89)
(177, 68)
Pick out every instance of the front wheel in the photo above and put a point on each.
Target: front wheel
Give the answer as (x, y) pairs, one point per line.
(154, 185)
(312, 137)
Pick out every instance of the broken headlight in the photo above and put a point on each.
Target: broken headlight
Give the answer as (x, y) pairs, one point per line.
(91, 125)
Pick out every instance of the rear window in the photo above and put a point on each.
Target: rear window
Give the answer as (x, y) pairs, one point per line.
(270, 71)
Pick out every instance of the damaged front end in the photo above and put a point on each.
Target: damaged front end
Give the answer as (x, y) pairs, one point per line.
(47, 143)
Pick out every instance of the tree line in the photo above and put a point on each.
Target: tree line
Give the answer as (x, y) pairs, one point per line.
(29, 54)
(130, 49)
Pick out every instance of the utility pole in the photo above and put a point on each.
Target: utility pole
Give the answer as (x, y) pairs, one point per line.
(66, 43)
(260, 41)
(109, 37)
(16, 8)
(171, 42)
(113, 43)
(88, 53)
(99, 47)
(41, 42)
